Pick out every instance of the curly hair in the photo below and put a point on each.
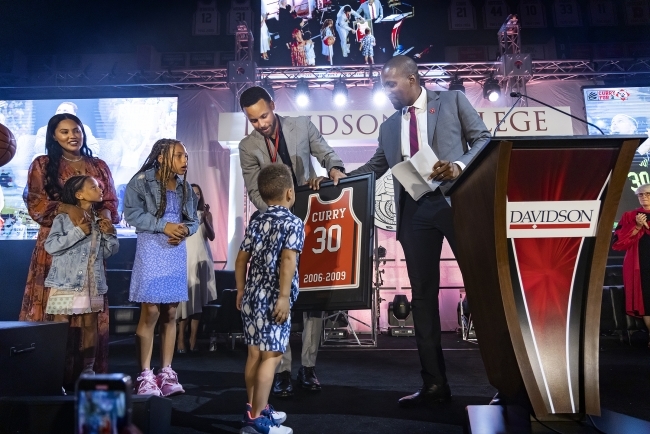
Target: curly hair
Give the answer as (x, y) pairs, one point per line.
(165, 171)
(54, 151)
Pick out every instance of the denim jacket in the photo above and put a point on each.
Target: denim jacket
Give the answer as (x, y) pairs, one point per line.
(70, 250)
(142, 198)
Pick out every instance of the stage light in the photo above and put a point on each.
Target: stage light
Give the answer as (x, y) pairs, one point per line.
(266, 85)
(340, 93)
(457, 84)
(302, 93)
(401, 309)
(491, 89)
(378, 94)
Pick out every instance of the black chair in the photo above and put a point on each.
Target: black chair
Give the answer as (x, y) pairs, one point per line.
(625, 324)
(221, 316)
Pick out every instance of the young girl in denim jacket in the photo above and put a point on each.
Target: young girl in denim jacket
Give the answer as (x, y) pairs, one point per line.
(77, 279)
(161, 205)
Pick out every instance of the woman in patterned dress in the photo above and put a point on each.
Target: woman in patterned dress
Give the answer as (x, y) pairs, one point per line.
(67, 156)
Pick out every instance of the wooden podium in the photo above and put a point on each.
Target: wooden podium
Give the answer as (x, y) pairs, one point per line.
(533, 220)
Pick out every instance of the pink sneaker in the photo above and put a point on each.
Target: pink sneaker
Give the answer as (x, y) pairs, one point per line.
(146, 384)
(168, 382)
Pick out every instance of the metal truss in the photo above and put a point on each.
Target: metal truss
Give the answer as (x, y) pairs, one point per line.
(213, 78)
(316, 76)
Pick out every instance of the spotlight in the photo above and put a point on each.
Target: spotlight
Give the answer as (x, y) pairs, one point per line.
(400, 309)
(491, 89)
(302, 93)
(457, 84)
(340, 93)
(266, 85)
(378, 95)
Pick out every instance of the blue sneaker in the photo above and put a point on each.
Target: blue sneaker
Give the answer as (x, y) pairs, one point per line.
(262, 425)
(276, 416)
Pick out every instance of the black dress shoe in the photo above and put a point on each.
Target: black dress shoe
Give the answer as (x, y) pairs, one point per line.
(282, 387)
(427, 395)
(307, 379)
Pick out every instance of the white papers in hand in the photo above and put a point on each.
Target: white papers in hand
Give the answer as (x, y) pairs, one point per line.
(413, 173)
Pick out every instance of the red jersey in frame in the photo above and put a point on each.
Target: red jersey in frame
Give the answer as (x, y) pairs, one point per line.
(331, 254)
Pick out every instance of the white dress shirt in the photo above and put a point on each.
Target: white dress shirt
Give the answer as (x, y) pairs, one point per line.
(420, 105)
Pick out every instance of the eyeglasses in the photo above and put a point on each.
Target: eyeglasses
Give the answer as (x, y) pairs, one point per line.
(647, 194)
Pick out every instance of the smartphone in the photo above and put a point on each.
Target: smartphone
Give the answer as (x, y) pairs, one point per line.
(103, 403)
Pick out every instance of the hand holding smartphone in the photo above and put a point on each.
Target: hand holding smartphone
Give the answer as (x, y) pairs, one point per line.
(104, 404)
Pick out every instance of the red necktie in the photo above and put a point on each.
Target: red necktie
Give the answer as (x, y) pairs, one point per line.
(413, 132)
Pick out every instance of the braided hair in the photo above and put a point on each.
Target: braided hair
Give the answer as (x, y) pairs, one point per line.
(164, 148)
(54, 151)
(71, 187)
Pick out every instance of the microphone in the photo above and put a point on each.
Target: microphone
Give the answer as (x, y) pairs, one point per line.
(520, 95)
(504, 118)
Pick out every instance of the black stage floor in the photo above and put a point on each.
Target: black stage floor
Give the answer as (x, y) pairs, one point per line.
(361, 387)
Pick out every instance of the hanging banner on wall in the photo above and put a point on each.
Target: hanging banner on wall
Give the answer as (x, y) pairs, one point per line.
(603, 13)
(567, 13)
(364, 124)
(206, 19)
(461, 15)
(637, 12)
(532, 14)
(495, 13)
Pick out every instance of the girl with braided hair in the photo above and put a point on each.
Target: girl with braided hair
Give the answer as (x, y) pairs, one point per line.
(161, 205)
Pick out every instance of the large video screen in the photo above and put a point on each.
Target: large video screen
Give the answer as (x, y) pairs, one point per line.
(331, 32)
(623, 110)
(120, 131)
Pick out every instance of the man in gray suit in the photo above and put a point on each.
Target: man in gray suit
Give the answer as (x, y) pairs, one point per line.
(447, 123)
(371, 11)
(292, 141)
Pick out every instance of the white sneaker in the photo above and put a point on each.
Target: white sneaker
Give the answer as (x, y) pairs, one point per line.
(263, 425)
(276, 416)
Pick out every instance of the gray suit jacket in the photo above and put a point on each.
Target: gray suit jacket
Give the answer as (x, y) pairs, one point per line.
(456, 133)
(303, 139)
(365, 10)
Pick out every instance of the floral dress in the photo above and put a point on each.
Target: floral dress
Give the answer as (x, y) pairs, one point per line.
(43, 210)
(366, 46)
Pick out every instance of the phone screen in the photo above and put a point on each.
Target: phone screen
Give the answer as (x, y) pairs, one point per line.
(101, 411)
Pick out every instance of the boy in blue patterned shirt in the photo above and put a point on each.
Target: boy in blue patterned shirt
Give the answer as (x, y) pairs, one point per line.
(272, 243)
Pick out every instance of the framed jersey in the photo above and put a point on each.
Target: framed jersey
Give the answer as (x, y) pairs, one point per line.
(335, 266)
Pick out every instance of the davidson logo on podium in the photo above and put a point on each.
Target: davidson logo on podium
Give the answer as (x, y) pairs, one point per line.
(557, 219)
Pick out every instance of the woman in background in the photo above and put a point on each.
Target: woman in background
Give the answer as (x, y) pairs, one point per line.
(633, 236)
(265, 38)
(327, 38)
(201, 284)
(67, 156)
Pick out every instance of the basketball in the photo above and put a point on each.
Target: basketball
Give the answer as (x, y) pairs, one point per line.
(7, 145)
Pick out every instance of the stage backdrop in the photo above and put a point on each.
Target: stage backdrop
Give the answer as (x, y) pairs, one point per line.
(352, 131)
(214, 161)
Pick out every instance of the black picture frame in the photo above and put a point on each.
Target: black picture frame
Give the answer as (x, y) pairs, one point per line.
(363, 203)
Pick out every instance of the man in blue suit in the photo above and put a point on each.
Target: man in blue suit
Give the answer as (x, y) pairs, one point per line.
(447, 123)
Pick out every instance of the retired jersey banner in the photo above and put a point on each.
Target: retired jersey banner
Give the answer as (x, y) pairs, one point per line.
(336, 261)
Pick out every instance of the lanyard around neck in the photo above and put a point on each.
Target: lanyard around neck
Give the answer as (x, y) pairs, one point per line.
(274, 155)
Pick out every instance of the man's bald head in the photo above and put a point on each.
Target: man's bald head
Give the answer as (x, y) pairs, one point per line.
(401, 81)
(403, 66)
